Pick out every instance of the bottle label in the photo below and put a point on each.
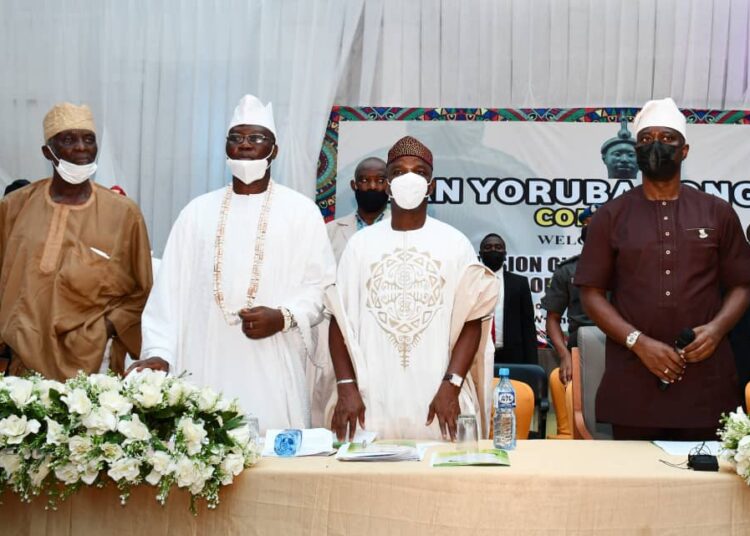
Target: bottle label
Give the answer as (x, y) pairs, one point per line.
(506, 399)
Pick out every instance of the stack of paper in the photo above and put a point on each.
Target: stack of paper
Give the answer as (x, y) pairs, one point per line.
(383, 451)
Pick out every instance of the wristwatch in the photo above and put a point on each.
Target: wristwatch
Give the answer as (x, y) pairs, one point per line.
(454, 379)
(289, 321)
(632, 338)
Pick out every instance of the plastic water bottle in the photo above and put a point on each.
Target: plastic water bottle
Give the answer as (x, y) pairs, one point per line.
(505, 413)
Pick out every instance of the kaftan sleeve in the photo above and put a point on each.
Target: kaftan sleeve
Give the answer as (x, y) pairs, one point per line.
(319, 271)
(161, 316)
(136, 261)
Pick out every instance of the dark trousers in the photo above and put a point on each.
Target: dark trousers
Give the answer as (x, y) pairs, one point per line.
(638, 433)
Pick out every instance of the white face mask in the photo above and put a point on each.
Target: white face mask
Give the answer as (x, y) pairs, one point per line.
(409, 190)
(73, 173)
(249, 171)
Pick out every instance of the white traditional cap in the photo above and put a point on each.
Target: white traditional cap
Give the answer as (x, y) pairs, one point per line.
(660, 113)
(250, 111)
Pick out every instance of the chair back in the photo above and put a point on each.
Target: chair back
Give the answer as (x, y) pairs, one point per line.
(588, 370)
(524, 408)
(535, 377)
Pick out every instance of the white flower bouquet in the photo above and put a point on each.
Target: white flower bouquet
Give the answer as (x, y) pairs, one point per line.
(735, 439)
(149, 428)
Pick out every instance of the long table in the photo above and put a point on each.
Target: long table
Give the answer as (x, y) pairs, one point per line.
(552, 487)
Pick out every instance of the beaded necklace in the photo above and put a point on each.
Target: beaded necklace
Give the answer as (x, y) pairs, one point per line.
(232, 317)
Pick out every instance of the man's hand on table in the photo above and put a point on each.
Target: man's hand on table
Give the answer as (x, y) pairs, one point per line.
(446, 407)
(350, 408)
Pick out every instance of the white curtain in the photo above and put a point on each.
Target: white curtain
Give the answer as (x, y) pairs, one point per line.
(550, 53)
(162, 78)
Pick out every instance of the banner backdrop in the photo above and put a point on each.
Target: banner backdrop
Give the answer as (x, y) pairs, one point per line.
(526, 174)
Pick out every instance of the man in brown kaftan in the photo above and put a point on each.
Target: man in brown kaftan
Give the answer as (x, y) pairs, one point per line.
(75, 262)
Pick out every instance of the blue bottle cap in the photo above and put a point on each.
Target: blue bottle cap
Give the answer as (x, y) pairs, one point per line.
(287, 442)
(504, 372)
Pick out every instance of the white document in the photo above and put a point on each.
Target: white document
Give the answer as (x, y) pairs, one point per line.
(683, 448)
(364, 437)
(396, 451)
(315, 441)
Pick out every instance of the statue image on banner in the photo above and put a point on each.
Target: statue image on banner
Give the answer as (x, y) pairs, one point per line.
(618, 154)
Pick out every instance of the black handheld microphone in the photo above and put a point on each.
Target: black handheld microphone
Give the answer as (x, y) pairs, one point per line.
(686, 336)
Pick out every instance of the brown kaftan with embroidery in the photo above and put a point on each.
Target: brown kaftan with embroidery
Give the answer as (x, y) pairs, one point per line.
(63, 269)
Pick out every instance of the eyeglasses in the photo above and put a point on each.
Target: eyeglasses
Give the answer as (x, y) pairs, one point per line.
(257, 139)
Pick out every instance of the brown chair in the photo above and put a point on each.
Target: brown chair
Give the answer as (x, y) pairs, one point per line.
(588, 369)
(524, 408)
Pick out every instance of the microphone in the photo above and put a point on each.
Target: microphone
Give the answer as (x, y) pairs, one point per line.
(685, 337)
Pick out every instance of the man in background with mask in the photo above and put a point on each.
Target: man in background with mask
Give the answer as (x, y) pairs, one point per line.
(372, 207)
(665, 251)
(368, 185)
(514, 328)
(75, 263)
(561, 296)
(240, 285)
(410, 309)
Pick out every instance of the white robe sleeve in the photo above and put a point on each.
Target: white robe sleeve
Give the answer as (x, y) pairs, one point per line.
(160, 323)
(319, 271)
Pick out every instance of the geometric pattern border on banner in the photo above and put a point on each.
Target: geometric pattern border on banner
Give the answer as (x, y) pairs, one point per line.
(328, 159)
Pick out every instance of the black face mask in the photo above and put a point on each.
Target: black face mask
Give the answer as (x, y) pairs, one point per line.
(657, 160)
(584, 232)
(493, 259)
(371, 200)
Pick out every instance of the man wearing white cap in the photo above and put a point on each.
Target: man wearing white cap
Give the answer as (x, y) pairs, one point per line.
(665, 251)
(75, 262)
(240, 285)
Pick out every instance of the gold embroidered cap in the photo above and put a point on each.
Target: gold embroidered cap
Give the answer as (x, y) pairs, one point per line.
(408, 146)
(67, 116)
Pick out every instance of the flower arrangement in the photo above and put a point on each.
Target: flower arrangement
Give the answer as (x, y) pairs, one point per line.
(735, 439)
(148, 428)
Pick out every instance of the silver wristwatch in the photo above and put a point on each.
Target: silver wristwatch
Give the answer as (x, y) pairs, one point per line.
(632, 338)
(454, 379)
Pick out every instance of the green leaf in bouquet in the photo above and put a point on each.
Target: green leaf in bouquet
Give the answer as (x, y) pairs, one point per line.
(228, 415)
(220, 436)
(234, 422)
(164, 413)
(55, 396)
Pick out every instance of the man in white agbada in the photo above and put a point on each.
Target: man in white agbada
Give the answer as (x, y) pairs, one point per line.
(241, 283)
(411, 309)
